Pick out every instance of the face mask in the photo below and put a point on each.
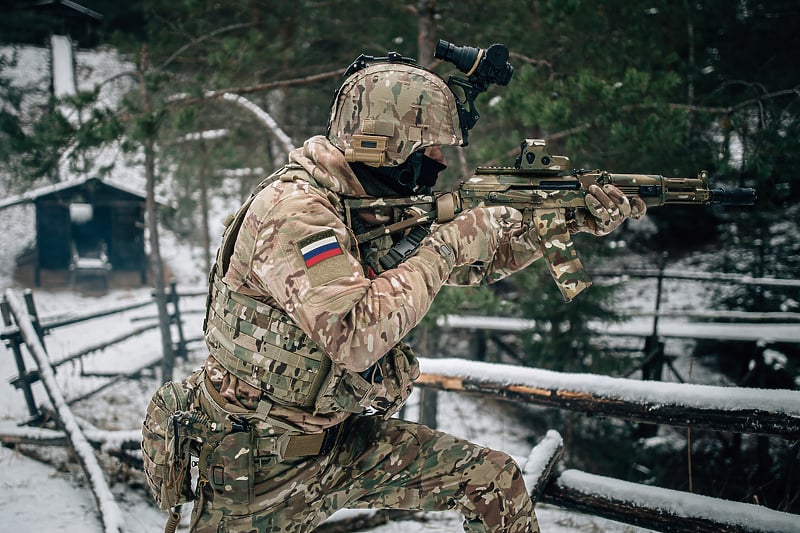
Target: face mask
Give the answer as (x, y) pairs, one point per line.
(415, 176)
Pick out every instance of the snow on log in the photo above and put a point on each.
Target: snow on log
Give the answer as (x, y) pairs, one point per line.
(109, 510)
(662, 509)
(540, 464)
(757, 411)
(11, 433)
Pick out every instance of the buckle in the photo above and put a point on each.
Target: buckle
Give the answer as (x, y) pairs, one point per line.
(330, 439)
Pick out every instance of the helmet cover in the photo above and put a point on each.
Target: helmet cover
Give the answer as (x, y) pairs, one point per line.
(386, 111)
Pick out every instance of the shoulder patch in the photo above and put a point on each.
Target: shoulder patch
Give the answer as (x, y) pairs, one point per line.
(319, 247)
(323, 257)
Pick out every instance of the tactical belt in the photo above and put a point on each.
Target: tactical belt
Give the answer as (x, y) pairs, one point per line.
(286, 445)
(303, 445)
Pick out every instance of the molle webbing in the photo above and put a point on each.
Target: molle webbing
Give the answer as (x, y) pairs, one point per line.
(261, 346)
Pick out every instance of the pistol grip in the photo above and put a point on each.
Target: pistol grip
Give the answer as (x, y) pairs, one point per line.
(560, 253)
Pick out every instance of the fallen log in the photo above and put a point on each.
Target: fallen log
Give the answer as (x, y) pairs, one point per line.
(756, 411)
(109, 510)
(11, 433)
(662, 509)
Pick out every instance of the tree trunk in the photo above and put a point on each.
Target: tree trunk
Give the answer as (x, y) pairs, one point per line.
(426, 31)
(156, 263)
(203, 177)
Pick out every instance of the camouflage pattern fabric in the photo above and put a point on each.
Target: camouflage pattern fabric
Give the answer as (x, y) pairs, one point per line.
(405, 106)
(487, 244)
(294, 253)
(354, 318)
(166, 466)
(379, 464)
(562, 258)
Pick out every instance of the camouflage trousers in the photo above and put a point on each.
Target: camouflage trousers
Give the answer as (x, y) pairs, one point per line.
(378, 464)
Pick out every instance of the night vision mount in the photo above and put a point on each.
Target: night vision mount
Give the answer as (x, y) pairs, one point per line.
(482, 68)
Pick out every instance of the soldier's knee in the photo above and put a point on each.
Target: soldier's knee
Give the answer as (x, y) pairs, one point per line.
(508, 474)
(499, 495)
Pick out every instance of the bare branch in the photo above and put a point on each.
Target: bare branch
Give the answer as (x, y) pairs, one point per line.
(183, 99)
(202, 38)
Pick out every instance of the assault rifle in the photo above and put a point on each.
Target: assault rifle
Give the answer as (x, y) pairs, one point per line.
(543, 188)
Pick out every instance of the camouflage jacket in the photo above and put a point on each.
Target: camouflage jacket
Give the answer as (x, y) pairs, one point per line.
(295, 252)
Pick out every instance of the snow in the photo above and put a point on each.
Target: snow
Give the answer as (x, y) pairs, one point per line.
(112, 517)
(751, 517)
(649, 392)
(63, 68)
(540, 457)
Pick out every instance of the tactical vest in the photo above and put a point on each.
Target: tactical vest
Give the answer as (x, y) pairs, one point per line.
(262, 346)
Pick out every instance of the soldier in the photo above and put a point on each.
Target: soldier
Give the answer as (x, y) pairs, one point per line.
(304, 328)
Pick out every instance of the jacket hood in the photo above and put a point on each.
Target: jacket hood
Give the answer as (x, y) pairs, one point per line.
(327, 165)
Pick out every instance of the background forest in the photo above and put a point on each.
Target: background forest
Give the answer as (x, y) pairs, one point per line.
(663, 86)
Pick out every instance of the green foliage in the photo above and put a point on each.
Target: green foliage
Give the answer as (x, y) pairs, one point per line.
(562, 338)
(481, 300)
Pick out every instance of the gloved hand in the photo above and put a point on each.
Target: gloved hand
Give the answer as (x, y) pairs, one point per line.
(606, 208)
(474, 235)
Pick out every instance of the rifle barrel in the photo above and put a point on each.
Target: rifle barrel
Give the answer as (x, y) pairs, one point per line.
(733, 196)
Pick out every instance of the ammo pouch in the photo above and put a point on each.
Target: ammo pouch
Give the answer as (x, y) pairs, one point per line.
(166, 456)
(398, 369)
(383, 387)
(231, 472)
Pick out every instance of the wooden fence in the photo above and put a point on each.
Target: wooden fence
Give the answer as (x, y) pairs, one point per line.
(719, 408)
(775, 413)
(10, 335)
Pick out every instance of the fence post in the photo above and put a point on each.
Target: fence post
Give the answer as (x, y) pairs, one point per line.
(31, 307)
(653, 364)
(428, 398)
(176, 319)
(13, 342)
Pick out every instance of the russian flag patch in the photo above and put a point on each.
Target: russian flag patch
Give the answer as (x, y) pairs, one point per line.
(318, 247)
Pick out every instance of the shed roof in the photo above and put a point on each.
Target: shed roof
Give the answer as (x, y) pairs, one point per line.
(69, 8)
(33, 195)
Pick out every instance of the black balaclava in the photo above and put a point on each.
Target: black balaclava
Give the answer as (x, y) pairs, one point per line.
(416, 175)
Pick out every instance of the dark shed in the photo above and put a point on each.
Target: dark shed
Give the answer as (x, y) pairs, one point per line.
(87, 225)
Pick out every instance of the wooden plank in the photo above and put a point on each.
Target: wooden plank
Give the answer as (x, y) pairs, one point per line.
(542, 462)
(641, 326)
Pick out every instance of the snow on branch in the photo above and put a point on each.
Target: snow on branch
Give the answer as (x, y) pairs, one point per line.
(264, 117)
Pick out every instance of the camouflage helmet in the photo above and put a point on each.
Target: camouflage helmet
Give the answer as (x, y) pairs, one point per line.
(387, 110)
